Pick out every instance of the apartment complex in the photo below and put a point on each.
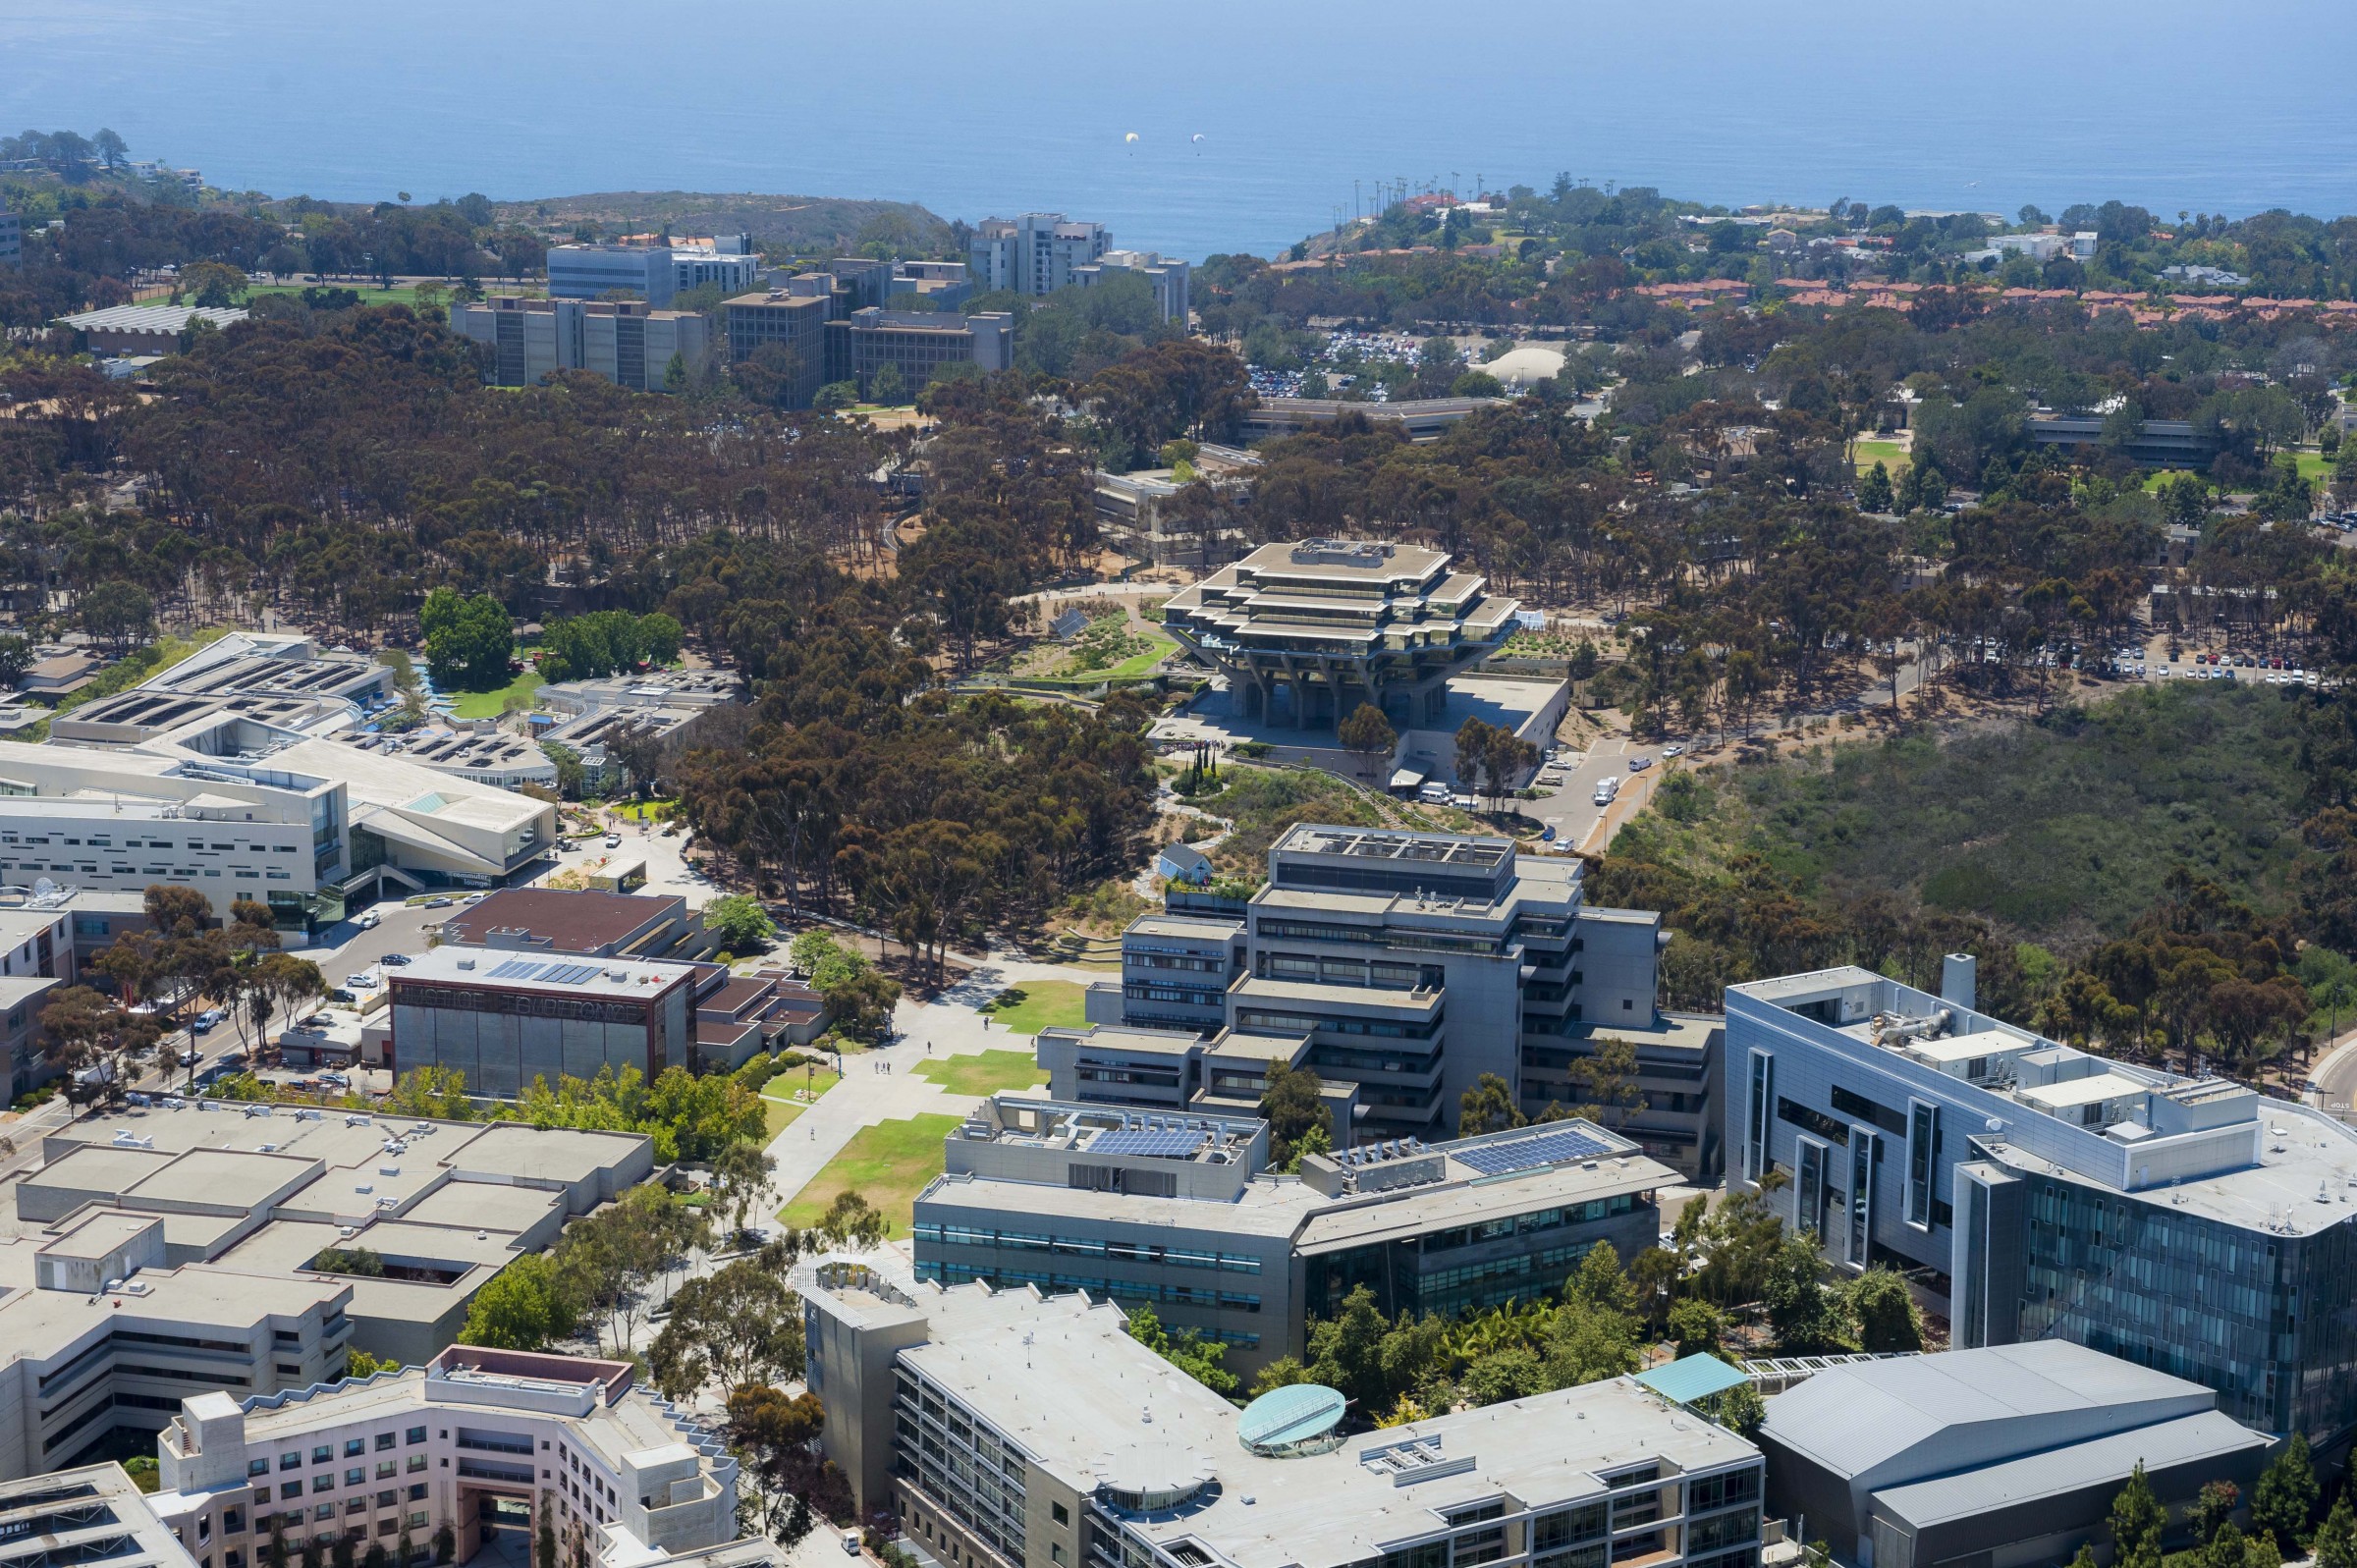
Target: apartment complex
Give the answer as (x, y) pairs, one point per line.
(1406, 968)
(1166, 276)
(178, 1244)
(622, 1476)
(1306, 632)
(1180, 1213)
(1005, 1428)
(2185, 1224)
(1036, 254)
(629, 344)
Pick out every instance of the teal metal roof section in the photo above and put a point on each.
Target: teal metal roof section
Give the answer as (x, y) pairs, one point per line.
(1282, 1418)
(1691, 1377)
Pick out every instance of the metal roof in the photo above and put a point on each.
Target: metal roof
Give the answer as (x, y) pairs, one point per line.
(1907, 1417)
(2099, 1462)
(1691, 1377)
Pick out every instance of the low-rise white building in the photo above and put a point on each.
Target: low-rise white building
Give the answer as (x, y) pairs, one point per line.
(185, 1244)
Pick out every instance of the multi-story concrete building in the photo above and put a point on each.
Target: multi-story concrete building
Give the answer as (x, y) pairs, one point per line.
(1178, 1212)
(1306, 632)
(629, 344)
(12, 238)
(1036, 254)
(591, 272)
(1405, 966)
(184, 1243)
(470, 1439)
(943, 285)
(1166, 276)
(791, 319)
(1004, 1429)
(2186, 1224)
(918, 344)
(38, 956)
(243, 808)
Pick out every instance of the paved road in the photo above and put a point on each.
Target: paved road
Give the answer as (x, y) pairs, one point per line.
(2336, 1075)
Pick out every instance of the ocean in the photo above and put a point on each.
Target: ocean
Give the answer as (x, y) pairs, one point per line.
(1256, 122)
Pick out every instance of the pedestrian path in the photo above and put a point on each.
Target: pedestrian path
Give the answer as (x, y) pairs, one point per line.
(947, 1026)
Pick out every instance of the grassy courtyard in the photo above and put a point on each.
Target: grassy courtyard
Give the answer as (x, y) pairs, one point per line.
(989, 1073)
(777, 1097)
(1045, 1003)
(1890, 453)
(491, 704)
(888, 1164)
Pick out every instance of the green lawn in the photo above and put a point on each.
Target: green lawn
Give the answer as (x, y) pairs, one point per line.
(777, 1097)
(1045, 1003)
(1890, 453)
(888, 1164)
(403, 295)
(647, 810)
(2315, 466)
(491, 704)
(986, 1074)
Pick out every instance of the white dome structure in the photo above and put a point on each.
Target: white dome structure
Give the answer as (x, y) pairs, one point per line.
(1523, 367)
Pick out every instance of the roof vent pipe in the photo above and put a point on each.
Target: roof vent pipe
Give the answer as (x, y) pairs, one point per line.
(1960, 980)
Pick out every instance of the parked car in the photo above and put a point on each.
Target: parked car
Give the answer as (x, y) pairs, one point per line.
(1673, 751)
(439, 902)
(1639, 764)
(369, 921)
(396, 959)
(339, 994)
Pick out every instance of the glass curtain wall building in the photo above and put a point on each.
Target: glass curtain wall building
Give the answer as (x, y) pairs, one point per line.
(2187, 1224)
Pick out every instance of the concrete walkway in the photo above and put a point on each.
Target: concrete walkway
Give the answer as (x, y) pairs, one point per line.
(947, 1026)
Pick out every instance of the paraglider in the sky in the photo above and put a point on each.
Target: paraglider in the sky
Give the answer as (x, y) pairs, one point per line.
(1131, 137)
(1197, 139)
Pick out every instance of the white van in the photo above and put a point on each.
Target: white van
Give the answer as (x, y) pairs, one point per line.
(1433, 795)
(850, 1542)
(1608, 789)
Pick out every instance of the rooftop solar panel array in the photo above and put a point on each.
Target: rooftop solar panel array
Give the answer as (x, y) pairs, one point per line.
(1530, 1154)
(517, 969)
(569, 974)
(1155, 1143)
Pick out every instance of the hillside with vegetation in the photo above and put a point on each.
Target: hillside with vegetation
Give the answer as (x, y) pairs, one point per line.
(827, 226)
(2164, 874)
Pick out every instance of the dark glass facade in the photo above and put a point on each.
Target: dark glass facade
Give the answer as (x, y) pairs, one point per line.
(2269, 1320)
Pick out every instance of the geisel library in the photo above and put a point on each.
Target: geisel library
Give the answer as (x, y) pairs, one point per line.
(1305, 632)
